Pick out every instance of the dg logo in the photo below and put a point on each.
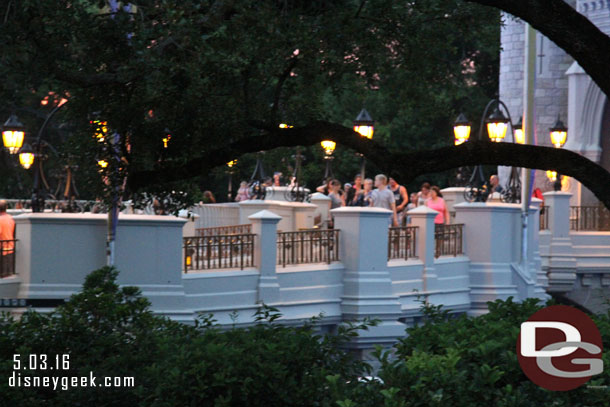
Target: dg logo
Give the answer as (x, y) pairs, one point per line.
(559, 348)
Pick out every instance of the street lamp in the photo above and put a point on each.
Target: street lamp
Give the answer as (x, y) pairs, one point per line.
(365, 126)
(461, 129)
(26, 156)
(519, 133)
(230, 170)
(329, 148)
(559, 136)
(496, 125)
(13, 133)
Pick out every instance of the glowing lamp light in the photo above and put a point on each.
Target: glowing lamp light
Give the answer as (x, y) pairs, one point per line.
(519, 133)
(102, 163)
(189, 261)
(551, 175)
(231, 163)
(285, 126)
(497, 125)
(26, 156)
(13, 133)
(328, 146)
(461, 129)
(101, 129)
(559, 133)
(166, 140)
(364, 124)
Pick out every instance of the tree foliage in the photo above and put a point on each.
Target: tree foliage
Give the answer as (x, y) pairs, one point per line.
(207, 72)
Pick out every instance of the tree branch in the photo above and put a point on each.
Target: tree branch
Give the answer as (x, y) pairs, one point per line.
(567, 28)
(403, 166)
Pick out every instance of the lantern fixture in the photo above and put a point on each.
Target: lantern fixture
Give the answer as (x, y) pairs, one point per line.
(559, 133)
(102, 164)
(285, 126)
(26, 156)
(231, 163)
(519, 133)
(551, 175)
(364, 124)
(497, 124)
(329, 147)
(461, 129)
(13, 133)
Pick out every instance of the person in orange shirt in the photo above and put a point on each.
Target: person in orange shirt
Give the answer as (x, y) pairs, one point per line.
(7, 244)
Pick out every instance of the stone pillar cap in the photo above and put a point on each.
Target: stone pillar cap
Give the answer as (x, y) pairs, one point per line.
(265, 215)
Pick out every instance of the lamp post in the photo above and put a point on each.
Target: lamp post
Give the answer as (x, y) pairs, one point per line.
(230, 171)
(329, 148)
(365, 126)
(559, 136)
(496, 125)
(13, 136)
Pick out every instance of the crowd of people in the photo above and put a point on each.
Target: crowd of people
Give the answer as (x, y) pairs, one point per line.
(387, 193)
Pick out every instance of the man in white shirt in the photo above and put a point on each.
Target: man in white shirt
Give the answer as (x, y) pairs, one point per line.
(382, 197)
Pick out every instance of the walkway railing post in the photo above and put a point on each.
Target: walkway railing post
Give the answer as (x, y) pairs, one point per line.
(264, 225)
(559, 262)
(367, 283)
(423, 218)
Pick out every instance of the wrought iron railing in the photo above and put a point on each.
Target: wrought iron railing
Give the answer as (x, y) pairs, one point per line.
(544, 217)
(218, 252)
(7, 257)
(224, 230)
(401, 242)
(308, 246)
(591, 218)
(448, 240)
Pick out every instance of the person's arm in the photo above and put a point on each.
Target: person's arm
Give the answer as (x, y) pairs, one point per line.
(320, 189)
(446, 210)
(394, 217)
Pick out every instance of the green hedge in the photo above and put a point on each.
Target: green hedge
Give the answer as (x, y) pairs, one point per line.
(110, 331)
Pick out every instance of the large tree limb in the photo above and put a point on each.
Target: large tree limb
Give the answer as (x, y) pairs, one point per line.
(567, 28)
(404, 166)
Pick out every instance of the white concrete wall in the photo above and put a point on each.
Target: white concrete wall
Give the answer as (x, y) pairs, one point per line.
(56, 251)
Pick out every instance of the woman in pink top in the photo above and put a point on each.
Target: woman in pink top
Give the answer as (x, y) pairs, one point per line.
(437, 203)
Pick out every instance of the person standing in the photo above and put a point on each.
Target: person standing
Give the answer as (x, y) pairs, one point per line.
(243, 193)
(424, 194)
(382, 197)
(335, 195)
(363, 197)
(401, 197)
(7, 237)
(352, 194)
(437, 203)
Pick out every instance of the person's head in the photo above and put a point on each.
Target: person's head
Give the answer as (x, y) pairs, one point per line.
(381, 181)
(3, 206)
(494, 180)
(435, 192)
(392, 183)
(425, 188)
(243, 184)
(347, 186)
(334, 185)
(208, 194)
(358, 179)
(368, 184)
(413, 197)
(268, 182)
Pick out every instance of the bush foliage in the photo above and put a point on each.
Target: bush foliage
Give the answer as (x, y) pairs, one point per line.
(109, 330)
